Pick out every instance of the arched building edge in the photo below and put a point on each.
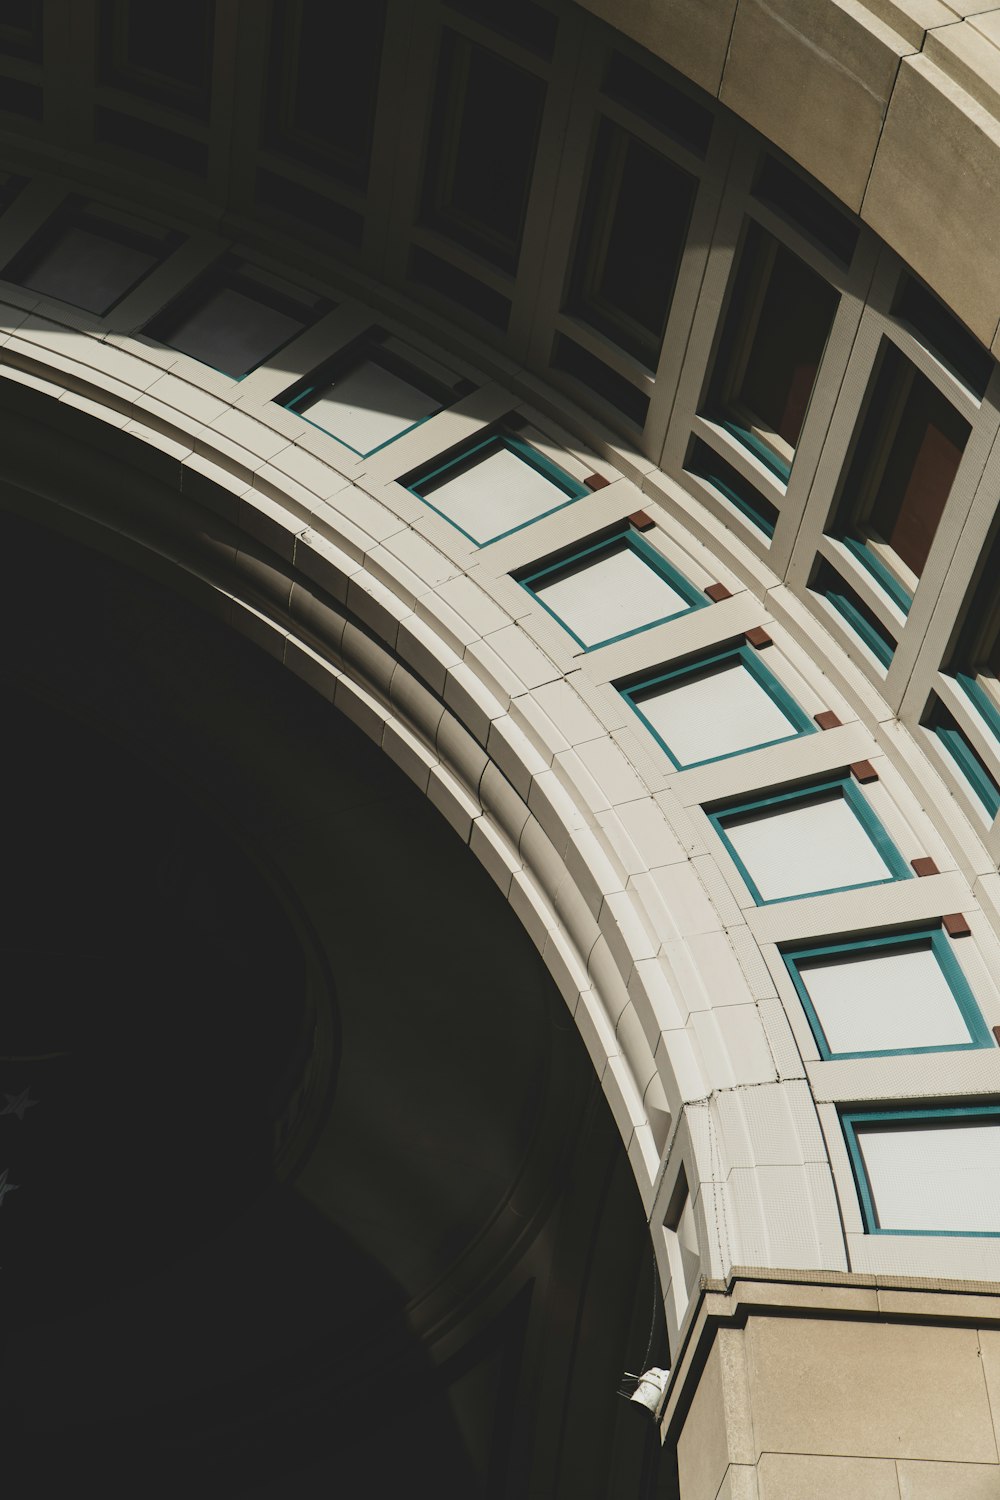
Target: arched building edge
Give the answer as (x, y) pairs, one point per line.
(893, 105)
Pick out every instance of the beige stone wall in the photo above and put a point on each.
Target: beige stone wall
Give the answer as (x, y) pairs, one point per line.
(839, 1392)
(893, 105)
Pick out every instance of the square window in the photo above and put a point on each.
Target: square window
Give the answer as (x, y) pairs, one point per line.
(808, 843)
(235, 318)
(495, 488)
(779, 318)
(886, 994)
(90, 256)
(717, 707)
(612, 590)
(372, 393)
(934, 1171)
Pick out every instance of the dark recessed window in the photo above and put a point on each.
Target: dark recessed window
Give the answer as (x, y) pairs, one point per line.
(634, 224)
(484, 133)
(863, 620)
(906, 458)
(20, 98)
(323, 84)
(967, 758)
(706, 464)
(161, 52)
(806, 207)
(458, 286)
(90, 256)
(776, 328)
(943, 334)
(21, 29)
(235, 318)
(521, 20)
(601, 379)
(308, 207)
(655, 100)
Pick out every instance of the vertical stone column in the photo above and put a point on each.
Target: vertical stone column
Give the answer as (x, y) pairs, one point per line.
(843, 1389)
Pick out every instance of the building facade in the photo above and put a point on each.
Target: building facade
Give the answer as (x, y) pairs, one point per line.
(502, 514)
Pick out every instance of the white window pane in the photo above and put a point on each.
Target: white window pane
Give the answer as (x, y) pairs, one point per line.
(495, 495)
(715, 714)
(88, 270)
(893, 999)
(821, 846)
(233, 332)
(934, 1176)
(612, 594)
(368, 406)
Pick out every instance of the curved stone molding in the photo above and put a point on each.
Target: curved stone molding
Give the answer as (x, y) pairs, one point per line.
(880, 101)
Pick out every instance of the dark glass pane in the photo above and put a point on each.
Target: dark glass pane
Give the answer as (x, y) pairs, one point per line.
(601, 379)
(635, 222)
(656, 101)
(449, 281)
(905, 462)
(806, 206)
(174, 40)
(234, 321)
(487, 114)
(315, 209)
(776, 329)
(21, 28)
(862, 620)
(521, 20)
(160, 51)
(954, 345)
(323, 84)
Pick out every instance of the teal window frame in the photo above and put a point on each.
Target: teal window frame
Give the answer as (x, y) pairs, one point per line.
(850, 1119)
(899, 869)
(572, 488)
(981, 784)
(637, 544)
(874, 565)
(982, 702)
(882, 651)
(934, 937)
(367, 348)
(778, 466)
(799, 720)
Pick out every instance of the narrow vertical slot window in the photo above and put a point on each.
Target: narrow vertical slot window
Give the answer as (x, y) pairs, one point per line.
(484, 134)
(323, 84)
(779, 318)
(635, 219)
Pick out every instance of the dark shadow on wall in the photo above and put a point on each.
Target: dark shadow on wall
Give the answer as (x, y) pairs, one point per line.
(176, 1319)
